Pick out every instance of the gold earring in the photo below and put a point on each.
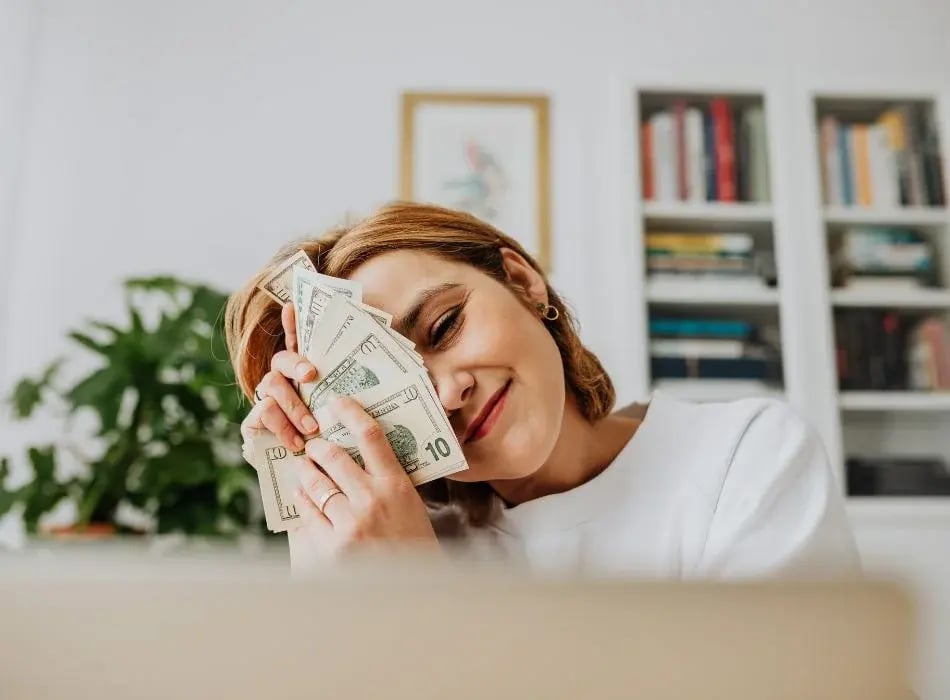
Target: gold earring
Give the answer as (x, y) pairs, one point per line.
(548, 312)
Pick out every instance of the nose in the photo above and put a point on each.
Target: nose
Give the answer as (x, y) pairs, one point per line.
(454, 388)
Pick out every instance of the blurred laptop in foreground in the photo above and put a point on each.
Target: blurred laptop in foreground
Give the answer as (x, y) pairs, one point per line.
(201, 628)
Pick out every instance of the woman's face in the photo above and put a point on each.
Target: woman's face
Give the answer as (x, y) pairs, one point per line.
(495, 367)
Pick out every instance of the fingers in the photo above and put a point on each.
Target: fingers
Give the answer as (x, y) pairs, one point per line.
(339, 466)
(288, 319)
(315, 485)
(275, 386)
(251, 426)
(293, 366)
(274, 419)
(378, 456)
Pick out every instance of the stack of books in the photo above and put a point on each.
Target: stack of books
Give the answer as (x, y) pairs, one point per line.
(886, 350)
(891, 162)
(719, 257)
(898, 476)
(703, 348)
(883, 259)
(705, 153)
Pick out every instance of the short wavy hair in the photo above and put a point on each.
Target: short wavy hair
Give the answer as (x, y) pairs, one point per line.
(255, 333)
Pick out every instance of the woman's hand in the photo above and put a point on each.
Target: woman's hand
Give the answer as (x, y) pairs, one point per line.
(343, 506)
(279, 408)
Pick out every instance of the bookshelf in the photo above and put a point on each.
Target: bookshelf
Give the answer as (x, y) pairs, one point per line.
(888, 262)
(803, 231)
(697, 215)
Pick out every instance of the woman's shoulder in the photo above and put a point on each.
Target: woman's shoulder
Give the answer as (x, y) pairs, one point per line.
(725, 425)
(752, 441)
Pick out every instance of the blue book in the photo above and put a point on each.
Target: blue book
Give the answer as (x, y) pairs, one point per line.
(703, 328)
(716, 368)
(844, 148)
(709, 157)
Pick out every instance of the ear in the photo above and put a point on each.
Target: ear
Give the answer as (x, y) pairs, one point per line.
(522, 276)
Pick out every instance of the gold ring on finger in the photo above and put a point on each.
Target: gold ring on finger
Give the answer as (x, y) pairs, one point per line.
(322, 501)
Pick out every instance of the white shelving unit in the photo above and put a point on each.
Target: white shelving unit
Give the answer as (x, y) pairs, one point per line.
(710, 299)
(870, 216)
(887, 401)
(798, 224)
(676, 213)
(898, 298)
(886, 422)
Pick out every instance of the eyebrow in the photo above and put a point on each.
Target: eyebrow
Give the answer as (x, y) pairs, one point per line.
(406, 324)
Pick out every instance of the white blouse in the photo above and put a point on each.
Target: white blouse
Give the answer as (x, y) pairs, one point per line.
(713, 490)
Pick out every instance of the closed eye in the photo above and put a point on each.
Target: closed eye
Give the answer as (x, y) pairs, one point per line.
(445, 326)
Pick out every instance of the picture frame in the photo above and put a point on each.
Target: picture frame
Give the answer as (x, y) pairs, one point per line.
(487, 154)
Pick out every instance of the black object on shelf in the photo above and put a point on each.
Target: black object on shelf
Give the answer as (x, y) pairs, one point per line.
(898, 476)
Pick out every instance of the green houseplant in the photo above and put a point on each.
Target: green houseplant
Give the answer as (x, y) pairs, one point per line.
(168, 421)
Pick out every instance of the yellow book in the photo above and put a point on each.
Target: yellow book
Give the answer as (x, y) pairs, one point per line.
(862, 165)
(894, 124)
(700, 242)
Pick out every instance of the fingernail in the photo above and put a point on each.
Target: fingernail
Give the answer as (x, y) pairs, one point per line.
(309, 424)
(302, 369)
(298, 444)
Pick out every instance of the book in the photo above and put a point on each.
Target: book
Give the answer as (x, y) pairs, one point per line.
(709, 157)
(917, 195)
(716, 368)
(743, 141)
(898, 476)
(725, 150)
(930, 156)
(699, 328)
(831, 175)
(701, 242)
(695, 156)
(893, 122)
(861, 165)
(696, 347)
(719, 281)
(883, 251)
(647, 165)
(847, 169)
(663, 135)
(883, 168)
(682, 174)
(760, 188)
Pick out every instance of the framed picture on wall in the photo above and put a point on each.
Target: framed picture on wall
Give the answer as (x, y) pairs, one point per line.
(484, 154)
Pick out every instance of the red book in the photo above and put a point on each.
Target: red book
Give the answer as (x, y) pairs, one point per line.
(646, 160)
(725, 143)
(936, 335)
(682, 174)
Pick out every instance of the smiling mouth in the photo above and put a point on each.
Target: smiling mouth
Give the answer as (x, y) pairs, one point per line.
(485, 420)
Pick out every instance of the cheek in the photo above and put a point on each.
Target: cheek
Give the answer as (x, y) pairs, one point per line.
(536, 409)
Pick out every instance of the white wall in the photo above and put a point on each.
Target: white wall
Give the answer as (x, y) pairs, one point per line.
(194, 136)
(15, 43)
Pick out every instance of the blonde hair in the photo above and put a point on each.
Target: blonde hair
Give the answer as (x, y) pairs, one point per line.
(255, 334)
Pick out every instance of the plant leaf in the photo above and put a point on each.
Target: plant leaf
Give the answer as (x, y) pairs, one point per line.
(104, 349)
(102, 391)
(28, 393)
(43, 460)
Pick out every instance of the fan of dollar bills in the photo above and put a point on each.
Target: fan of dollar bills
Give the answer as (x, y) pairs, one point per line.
(357, 354)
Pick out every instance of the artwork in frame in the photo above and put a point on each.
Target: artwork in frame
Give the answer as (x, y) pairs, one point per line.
(484, 154)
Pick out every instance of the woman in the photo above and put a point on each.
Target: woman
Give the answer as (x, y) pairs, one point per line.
(555, 480)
